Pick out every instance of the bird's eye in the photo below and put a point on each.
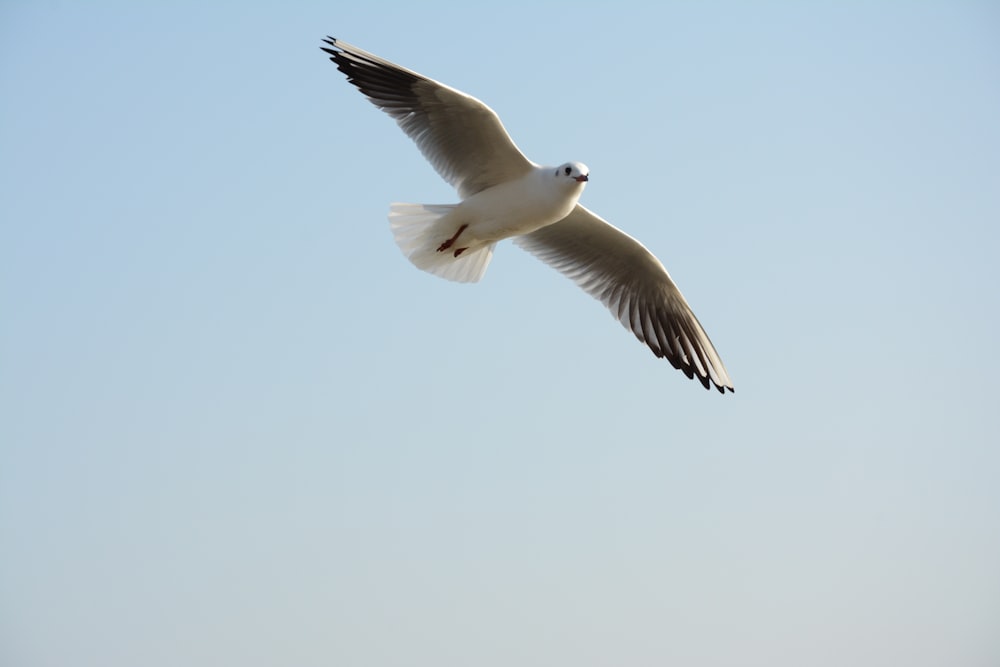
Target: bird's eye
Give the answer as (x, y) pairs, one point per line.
(568, 171)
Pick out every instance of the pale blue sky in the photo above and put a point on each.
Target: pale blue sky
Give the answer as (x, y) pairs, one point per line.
(238, 428)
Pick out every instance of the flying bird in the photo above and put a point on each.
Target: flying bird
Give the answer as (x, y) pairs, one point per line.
(506, 195)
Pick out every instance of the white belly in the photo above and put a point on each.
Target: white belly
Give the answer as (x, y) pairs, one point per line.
(515, 208)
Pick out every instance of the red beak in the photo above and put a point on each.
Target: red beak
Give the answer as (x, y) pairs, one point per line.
(582, 178)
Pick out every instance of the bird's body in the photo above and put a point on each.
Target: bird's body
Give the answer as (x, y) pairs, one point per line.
(456, 241)
(505, 195)
(542, 196)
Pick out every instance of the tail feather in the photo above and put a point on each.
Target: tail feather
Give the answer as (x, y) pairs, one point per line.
(415, 229)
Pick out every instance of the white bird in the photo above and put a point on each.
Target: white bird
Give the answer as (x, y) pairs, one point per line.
(506, 195)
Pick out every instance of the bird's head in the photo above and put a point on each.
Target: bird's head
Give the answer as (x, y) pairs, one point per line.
(574, 172)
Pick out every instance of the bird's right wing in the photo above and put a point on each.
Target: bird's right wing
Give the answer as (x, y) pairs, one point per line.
(612, 266)
(459, 135)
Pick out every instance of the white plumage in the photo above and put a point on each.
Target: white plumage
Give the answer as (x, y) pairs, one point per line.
(506, 195)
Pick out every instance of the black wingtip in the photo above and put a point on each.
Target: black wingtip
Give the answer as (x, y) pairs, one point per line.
(332, 41)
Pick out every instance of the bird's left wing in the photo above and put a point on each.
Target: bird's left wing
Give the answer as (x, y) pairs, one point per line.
(459, 135)
(612, 266)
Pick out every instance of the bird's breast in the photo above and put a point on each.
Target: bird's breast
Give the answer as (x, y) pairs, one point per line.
(518, 207)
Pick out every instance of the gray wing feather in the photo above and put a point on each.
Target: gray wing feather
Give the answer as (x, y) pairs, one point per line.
(459, 135)
(613, 267)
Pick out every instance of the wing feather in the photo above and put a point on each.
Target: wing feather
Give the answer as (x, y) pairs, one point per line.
(459, 135)
(613, 267)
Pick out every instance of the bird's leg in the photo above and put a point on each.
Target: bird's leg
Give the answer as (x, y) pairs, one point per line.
(450, 242)
(459, 251)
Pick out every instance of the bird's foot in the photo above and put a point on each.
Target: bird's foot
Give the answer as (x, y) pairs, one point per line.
(450, 242)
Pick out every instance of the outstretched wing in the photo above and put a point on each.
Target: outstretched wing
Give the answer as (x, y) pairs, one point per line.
(612, 266)
(462, 137)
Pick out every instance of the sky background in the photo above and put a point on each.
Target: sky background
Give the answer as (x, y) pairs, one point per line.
(237, 427)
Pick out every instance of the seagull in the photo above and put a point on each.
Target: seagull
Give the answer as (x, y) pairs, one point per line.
(506, 195)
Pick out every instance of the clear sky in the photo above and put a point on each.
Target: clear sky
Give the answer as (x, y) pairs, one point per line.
(237, 427)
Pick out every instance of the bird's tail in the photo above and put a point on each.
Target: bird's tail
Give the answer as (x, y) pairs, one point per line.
(417, 233)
